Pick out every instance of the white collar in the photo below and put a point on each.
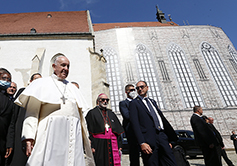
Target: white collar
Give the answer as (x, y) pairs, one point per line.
(197, 115)
(54, 76)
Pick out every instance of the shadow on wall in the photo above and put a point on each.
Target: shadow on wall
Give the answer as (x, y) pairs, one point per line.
(25, 75)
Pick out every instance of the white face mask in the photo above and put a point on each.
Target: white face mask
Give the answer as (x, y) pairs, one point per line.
(132, 94)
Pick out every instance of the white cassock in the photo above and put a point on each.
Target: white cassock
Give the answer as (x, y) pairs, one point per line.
(56, 125)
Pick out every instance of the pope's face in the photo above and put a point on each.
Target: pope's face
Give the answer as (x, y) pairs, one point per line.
(61, 68)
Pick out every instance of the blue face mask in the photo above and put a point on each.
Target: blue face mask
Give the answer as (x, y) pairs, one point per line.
(4, 84)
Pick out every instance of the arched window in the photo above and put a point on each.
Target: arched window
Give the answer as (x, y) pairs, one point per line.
(233, 59)
(147, 72)
(220, 74)
(114, 78)
(184, 76)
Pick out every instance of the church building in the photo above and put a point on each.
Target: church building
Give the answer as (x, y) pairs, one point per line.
(184, 66)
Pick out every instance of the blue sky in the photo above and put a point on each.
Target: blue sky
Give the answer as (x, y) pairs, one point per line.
(220, 13)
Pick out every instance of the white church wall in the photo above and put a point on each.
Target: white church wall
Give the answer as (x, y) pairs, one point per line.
(17, 55)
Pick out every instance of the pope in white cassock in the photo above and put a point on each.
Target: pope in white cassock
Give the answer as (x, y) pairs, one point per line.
(54, 130)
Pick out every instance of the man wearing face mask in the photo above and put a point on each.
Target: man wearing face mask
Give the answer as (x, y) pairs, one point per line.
(124, 109)
(105, 133)
(6, 117)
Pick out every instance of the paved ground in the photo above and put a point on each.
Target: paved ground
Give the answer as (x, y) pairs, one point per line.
(199, 161)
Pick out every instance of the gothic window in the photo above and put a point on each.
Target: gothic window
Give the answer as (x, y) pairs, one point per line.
(234, 65)
(163, 70)
(129, 72)
(114, 78)
(184, 76)
(147, 72)
(220, 74)
(233, 54)
(199, 69)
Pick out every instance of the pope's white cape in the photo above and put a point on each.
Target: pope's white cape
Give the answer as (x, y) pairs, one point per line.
(45, 91)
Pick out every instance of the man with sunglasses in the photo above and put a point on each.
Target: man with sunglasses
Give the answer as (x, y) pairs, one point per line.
(124, 109)
(152, 130)
(105, 133)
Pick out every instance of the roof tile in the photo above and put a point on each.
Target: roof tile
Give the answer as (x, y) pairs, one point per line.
(104, 26)
(60, 22)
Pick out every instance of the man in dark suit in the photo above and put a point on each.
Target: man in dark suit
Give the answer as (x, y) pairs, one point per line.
(6, 117)
(152, 130)
(124, 109)
(234, 138)
(210, 122)
(205, 138)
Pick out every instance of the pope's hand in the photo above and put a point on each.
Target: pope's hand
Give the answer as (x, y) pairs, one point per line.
(29, 144)
(93, 150)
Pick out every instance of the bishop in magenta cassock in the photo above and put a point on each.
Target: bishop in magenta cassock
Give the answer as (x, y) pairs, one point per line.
(105, 133)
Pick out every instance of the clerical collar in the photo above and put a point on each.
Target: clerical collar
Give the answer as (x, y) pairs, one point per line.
(129, 99)
(54, 76)
(102, 108)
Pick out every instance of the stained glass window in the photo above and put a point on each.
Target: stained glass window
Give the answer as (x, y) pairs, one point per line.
(114, 78)
(184, 76)
(146, 71)
(220, 74)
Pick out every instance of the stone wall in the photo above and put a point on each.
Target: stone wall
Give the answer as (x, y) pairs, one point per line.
(157, 41)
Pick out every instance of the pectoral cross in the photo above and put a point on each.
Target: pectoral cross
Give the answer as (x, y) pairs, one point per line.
(63, 98)
(107, 127)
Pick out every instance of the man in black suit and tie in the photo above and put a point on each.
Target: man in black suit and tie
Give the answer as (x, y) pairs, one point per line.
(124, 109)
(205, 138)
(153, 132)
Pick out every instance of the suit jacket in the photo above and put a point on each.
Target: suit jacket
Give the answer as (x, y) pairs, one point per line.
(123, 108)
(143, 124)
(217, 134)
(6, 123)
(203, 134)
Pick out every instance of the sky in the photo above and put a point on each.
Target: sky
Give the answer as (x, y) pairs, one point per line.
(219, 13)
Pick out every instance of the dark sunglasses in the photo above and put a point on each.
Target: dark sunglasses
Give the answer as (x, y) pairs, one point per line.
(131, 90)
(107, 100)
(142, 87)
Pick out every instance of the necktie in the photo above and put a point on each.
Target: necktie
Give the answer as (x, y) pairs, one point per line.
(153, 114)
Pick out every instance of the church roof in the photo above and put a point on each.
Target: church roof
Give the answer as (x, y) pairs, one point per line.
(45, 22)
(105, 26)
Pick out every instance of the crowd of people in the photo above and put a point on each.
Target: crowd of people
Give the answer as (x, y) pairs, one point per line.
(45, 124)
